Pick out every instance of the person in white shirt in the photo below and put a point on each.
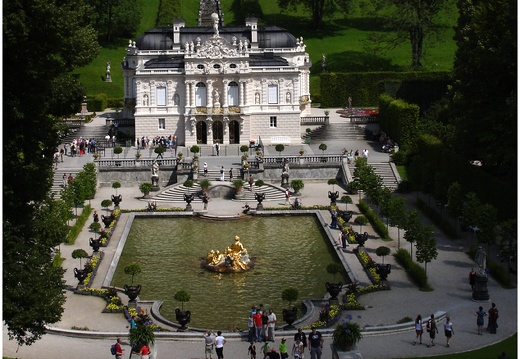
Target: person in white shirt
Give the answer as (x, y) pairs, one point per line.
(219, 345)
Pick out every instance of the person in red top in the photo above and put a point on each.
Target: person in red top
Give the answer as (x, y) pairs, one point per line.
(119, 350)
(145, 352)
(257, 317)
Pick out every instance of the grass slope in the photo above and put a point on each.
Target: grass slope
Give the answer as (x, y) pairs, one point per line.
(343, 41)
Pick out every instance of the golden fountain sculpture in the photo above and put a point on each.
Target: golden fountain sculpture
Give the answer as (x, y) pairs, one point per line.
(234, 259)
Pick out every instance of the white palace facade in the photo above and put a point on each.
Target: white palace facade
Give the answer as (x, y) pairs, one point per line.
(215, 83)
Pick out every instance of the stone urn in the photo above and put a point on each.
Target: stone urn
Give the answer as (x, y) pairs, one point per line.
(117, 200)
(107, 220)
(259, 196)
(95, 244)
(80, 274)
(132, 291)
(289, 316)
(183, 317)
(334, 289)
(383, 270)
(333, 196)
(188, 198)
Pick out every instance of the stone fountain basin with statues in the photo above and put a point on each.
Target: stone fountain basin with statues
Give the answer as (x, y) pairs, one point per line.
(288, 249)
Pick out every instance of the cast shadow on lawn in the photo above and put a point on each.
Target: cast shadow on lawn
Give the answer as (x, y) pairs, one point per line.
(354, 61)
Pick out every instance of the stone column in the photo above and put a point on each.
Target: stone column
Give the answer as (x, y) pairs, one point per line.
(187, 101)
(225, 93)
(209, 94)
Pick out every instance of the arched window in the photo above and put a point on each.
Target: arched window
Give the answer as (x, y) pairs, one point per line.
(233, 94)
(200, 94)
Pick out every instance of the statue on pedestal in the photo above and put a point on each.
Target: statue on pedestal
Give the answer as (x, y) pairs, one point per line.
(108, 76)
(285, 173)
(155, 173)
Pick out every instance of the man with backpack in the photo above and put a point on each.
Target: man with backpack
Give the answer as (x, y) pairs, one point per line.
(431, 327)
(116, 349)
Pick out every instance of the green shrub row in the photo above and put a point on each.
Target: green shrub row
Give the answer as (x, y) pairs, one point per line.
(400, 120)
(495, 269)
(414, 270)
(78, 226)
(433, 157)
(365, 87)
(440, 222)
(374, 220)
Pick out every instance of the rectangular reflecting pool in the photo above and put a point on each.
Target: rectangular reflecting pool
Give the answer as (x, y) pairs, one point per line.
(288, 251)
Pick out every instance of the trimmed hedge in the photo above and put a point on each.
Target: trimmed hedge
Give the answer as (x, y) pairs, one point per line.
(414, 270)
(374, 220)
(421, 88)
(78, 226)
(400, 121)
(437, 219)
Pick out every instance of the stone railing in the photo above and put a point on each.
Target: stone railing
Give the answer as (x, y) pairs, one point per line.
(363, 119)
(121, 122)
(314, 120)
(270, 161)
(127, 162)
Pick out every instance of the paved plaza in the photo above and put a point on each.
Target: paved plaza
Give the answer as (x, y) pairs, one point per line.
(448, 276)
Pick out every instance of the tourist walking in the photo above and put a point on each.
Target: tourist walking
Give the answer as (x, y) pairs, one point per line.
(64, 181)
(145, 352)
(252, 350)
(300, 335)
(119, 351)
(205, 166)
(493, 317)
(95, 216)
(418, 330)
(230, 175)
(315, 344)
(205, 200)
(448, 331)
(287, 197)
(297, 349)
(480, 319)
(219, 345)
(222, 173)
(283, 349)
(209, 339)
(217, 148)
(431, 327)
(271, 323)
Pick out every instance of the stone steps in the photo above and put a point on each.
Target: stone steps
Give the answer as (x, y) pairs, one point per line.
(57, 181)
(383, 170)
(175, 193)
(338, 131)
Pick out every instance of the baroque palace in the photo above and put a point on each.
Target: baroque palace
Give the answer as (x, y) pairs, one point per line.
(217, 84)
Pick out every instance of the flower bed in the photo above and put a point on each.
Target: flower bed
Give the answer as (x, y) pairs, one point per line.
(104, 235)
(110, 296)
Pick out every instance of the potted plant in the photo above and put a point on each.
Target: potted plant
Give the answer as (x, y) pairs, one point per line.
(116, 185)
(118, 150)
(334, 288)
(159, 150)
(180, 157)
(361, 220)
(146, 188)
(238, 184)
(381, 268)
(142, 334)
(297, 185)
(289, 314)
(259, 183)
(138, 155)
(132, 291)
(96, 156)
(279, 148)
(183, 317)
(346, 334)
(204, 185)
(347, 200)
(79, 253)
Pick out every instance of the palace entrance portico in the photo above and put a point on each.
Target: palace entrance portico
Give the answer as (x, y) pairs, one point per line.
(216, 129)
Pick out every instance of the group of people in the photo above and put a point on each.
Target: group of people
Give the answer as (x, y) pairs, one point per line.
(351, 155)
(431, 325)
(79, 147)
(313, 342)
(169, 142)
(261, 324)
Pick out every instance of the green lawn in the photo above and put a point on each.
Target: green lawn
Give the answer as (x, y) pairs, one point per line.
(491, 352)
(343, 41)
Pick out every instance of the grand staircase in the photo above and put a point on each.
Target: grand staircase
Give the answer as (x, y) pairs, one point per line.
(338, 131)
(176, 192)
(57, 182)
(383, 170)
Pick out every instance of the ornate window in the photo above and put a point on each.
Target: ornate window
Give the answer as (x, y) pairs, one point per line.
(272, 94)
(200, 67)
(233, 94)
(161, 96)
(272, 122)
(216, 66)
(200, 94)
